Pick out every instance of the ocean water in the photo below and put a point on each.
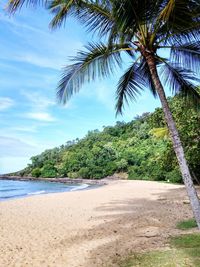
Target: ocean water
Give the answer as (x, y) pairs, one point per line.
(14, 189)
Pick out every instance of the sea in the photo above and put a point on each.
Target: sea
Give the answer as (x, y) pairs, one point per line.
(10, 189)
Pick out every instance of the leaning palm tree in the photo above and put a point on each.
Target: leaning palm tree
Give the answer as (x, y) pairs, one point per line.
(161, 37)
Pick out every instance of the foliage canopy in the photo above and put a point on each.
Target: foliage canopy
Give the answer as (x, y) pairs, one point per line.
(127, 147)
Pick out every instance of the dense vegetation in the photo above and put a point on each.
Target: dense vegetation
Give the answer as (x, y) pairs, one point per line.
(141, 148)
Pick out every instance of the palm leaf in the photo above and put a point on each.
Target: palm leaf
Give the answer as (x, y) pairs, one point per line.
(187, 55)
(178, 14)
(61, 9)
(178, 22)
(95, 17)
(131, 15)
(129, 86)
(180, 81)
(160, 133)
(98, 61)
(167, 10)
(14, 5)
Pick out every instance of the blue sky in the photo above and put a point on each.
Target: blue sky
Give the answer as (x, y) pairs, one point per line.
(31, 60)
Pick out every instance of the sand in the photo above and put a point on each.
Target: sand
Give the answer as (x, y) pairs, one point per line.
(89, 228)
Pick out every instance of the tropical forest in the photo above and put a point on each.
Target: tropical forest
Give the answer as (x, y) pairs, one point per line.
(142, 149)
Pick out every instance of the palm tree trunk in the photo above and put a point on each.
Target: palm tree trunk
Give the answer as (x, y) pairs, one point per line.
(178, 148)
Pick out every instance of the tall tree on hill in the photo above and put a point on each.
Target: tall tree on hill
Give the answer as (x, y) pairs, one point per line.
(142, 30)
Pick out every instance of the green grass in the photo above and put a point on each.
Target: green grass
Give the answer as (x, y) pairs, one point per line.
(184, 252)
(186, 241)
(184, 225)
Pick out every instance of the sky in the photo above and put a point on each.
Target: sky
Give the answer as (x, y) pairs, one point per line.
(31, 61)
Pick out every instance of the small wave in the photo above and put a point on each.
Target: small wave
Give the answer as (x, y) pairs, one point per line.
(6, 197)
(12, 196)
(8, 190)
(37, 192)
(80, 187)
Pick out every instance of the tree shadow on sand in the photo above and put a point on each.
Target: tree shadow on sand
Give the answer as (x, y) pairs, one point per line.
(134, 225)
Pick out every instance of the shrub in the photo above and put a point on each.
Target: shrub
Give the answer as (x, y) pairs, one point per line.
(36, 172)
(174, 176)
(48, 171)
(73, 175)
(97, 172)
(122, 165)
(133, 173)
(109, 168)
(84, 172)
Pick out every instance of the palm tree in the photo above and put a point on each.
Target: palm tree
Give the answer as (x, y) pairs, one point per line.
(141, 30)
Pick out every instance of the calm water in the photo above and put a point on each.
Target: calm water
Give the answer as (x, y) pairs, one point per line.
(15, 189)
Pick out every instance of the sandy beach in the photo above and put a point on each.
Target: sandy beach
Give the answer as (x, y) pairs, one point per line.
(90, 228)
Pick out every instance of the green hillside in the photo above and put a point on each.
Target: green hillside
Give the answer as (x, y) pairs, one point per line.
(141, 148)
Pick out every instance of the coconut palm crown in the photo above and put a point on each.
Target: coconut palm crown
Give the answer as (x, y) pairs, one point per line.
(141, 30)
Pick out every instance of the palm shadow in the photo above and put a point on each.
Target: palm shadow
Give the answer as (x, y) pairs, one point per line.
(133, 225)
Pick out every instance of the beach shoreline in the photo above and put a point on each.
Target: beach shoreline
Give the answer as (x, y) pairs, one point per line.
(13, 189)
(90, 227)
(66, 180)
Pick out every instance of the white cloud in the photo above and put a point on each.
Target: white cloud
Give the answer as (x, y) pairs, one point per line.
(14, 147)
(37, 100)
(47, 52)
(39, 61)
(29, 129)
(39, 105)
(14, 23)
(40, 116)
(6, 103)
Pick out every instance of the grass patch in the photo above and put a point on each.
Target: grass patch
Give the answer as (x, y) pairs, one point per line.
(186, 241)
(184, 252)
(170, 258)
(188, 224)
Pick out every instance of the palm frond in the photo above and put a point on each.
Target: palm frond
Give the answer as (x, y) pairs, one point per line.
(178, 14)
(180, 81)
(187, 55)
(97, 17)
(178, 22)
(91, 14)
(61, 9)
(98, 61)
(167, 10)
(160, 133)
(131, 15)
(14, 5)
(188, 34)
(129, 87)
